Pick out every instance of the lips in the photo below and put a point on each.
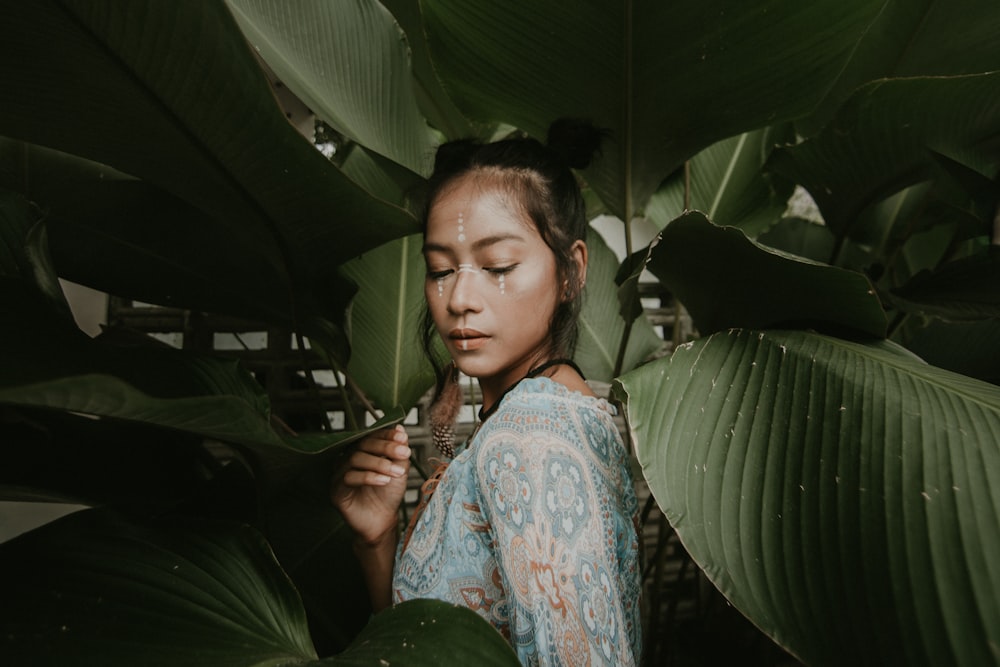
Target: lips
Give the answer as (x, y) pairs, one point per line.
(467, 339)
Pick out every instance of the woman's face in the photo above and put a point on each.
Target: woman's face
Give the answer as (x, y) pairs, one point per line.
(492, 285)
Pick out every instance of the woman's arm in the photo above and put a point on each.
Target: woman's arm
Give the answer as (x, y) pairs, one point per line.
(368, 494)
(376, 564)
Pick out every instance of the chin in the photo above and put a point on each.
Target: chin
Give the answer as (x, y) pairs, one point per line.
(473, 368)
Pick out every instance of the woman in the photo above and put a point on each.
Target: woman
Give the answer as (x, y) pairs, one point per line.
(531, 522)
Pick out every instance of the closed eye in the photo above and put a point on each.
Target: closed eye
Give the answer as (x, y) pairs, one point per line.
(435, 275)
(499, 270)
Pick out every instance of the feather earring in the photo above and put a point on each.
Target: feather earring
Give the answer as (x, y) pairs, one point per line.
(444, 412)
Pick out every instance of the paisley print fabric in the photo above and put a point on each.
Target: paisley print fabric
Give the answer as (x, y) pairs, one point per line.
(532, 526)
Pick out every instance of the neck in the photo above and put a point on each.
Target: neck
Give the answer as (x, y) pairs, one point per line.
(492, 397)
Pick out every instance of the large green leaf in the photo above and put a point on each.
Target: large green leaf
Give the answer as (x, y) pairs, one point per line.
(601, 325)
(80, 459)
(966, 289)
(885, 138)
(348, 62)
(917, 38)
(170, 93)
(58, 367)
(728, 184)
(969, 348)
(93, 589)
(120, 235)
(668, 79)
(841, 495)
(428, 633)
(387, 358)
(433, 100)
(726, 280)
(24, 252)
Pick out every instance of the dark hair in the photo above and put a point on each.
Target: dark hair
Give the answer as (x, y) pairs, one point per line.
(538, 179)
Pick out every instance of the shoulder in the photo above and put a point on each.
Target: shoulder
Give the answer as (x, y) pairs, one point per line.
(543, 408)
(541, 419)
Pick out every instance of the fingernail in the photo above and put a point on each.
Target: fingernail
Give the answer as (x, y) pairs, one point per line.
(403, 451)
(397, 470)
(382, 479)
(400, 435)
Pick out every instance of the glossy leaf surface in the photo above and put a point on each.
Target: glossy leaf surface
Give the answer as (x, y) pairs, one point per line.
(841, 495)
(387, 357)
(348, 62)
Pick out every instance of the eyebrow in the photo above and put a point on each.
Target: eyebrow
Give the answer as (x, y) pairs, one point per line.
(484, 242)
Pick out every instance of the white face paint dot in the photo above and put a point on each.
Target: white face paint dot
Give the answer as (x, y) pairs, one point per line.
(461, 238)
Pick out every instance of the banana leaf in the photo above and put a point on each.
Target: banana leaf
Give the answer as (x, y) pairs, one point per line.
(916, 38)
(170, 93)
(437, 107)
(387, 358)
(667, 79)
(841, 495)
(885, 137)
(348, 62)
(96, 589)
(601, 327)
(965, 289)
(58, 367)
(727, 183)
(726, 280)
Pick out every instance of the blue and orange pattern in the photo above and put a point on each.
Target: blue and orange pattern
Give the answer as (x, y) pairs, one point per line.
(532, 526)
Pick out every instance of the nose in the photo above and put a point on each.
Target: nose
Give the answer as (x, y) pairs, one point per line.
(465, 295)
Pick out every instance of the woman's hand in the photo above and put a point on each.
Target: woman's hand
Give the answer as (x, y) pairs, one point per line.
(371, 487)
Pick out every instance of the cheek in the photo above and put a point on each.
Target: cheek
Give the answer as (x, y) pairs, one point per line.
(534, 291)
(435, 302)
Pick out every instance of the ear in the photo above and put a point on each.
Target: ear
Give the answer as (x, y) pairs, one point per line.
(578, 255)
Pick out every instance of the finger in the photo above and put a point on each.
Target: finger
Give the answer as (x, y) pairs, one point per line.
(357, 478)
(379, 464)
(391, 443)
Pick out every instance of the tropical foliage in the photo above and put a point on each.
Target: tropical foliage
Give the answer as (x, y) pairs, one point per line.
(832, 485)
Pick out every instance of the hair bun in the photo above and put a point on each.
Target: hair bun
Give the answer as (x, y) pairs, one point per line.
(575, 140)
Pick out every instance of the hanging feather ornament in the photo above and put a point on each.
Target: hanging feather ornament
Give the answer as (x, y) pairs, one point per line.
(444, 412)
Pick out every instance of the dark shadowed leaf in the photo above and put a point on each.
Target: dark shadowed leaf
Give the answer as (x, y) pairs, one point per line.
(58, 367)
(885, 137)
(969, 348)
(94, 589)
(966, 289)
(916, 38)
(667, 79)
(171, 93)
(726, 280)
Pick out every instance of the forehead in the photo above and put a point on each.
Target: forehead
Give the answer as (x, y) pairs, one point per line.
(482, 205)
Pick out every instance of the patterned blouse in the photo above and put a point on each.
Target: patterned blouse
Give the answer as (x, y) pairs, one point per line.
(533, 527)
